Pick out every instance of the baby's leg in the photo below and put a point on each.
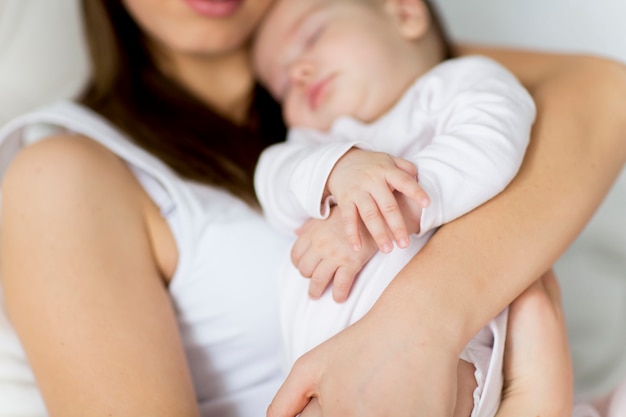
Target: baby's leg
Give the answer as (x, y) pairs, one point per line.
(466, 384)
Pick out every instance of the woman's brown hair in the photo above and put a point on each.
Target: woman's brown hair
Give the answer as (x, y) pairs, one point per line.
(162, 117)
(440, 30)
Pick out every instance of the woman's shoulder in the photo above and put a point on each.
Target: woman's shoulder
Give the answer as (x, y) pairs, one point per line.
(78, 120)
(67, 154)
(74, 145)
(73, 183)
(67, 170)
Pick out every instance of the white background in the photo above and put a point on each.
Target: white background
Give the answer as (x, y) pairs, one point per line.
(567, 25)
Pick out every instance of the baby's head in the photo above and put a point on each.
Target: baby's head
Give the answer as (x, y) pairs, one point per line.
(328, 58)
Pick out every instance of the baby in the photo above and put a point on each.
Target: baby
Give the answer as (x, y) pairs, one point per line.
(379, 114)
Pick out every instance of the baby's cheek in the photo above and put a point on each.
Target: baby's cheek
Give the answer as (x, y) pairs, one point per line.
(295, 113)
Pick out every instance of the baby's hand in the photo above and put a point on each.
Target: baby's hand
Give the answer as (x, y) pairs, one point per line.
(322, 253)
(363, 185)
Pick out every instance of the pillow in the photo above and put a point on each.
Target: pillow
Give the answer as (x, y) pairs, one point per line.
(562, 25)
(42, 54)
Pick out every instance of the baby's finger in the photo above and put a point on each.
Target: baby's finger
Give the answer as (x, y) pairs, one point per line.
(390, 210)
(299, 249)
(406, 166)
(342, 283)
(350, 218)
(374, 223)
(308, 263)
(406, 184)
(321, 277)
(305, 226)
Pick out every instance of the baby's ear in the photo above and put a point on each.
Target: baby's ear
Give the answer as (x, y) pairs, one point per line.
(412, 16)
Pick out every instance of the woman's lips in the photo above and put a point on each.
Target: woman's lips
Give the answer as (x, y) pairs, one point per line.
(315, 92)
(214, 8)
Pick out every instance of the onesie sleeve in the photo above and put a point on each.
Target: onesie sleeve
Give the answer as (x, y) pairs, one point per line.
(291, 177)
(481, 118)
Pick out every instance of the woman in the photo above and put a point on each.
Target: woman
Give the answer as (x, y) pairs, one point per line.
(123, 274)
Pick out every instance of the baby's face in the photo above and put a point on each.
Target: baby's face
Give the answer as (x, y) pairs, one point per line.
(327, 58)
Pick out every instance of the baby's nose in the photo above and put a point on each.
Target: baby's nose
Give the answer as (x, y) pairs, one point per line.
(301, 73)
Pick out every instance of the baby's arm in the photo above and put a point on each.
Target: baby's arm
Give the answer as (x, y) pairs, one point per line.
(481, 121)
(290, 178)
(294, 182)
(364, 185)
(480, 117)
(290, 181)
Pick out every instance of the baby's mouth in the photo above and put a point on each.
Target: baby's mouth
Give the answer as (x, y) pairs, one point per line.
(317, 91)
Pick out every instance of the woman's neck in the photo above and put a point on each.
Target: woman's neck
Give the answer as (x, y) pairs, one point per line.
(225, 83)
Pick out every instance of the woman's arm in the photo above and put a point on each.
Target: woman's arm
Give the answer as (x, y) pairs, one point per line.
(537, 364)
(538, 69)
(578, 148)
(403, 353)
(83, 289)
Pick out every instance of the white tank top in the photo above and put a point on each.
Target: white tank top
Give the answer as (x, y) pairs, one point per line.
(225, 287)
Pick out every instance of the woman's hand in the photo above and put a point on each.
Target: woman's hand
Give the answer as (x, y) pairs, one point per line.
(538, 375)
(359, 372)
(537, 371)
(312, 409)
